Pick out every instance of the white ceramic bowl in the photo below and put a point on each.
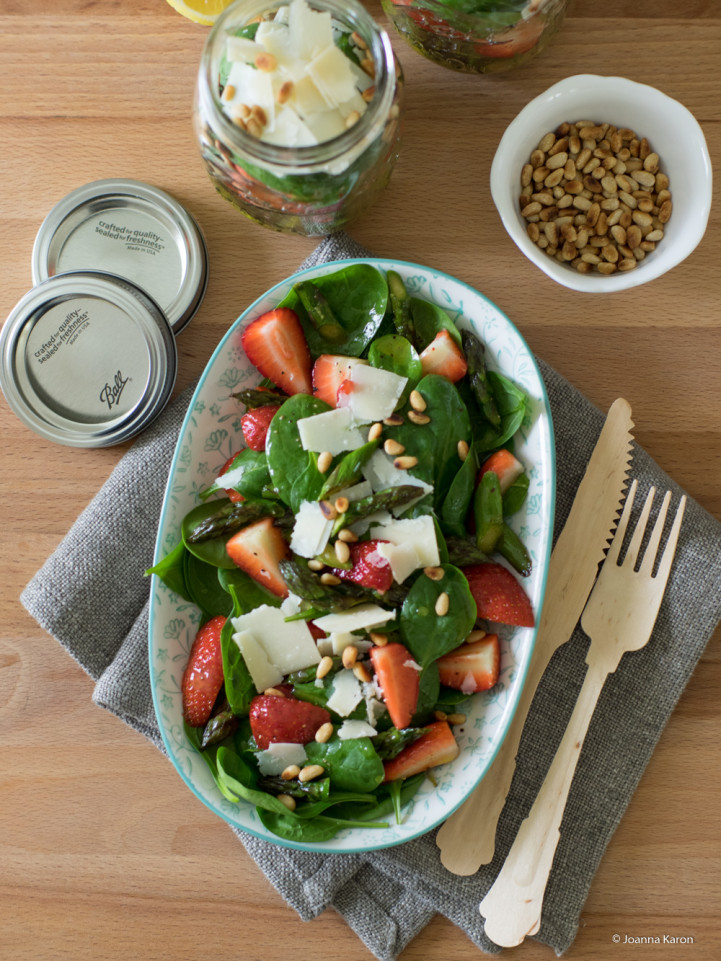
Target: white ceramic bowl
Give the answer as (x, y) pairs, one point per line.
(673, 133)
(211, 432)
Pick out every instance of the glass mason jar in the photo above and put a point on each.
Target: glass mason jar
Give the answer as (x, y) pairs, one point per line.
(309, 190)
(478, 36)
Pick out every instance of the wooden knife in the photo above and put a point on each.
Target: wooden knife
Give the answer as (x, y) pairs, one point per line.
(467, 839)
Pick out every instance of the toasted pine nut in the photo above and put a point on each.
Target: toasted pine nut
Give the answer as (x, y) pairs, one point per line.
(368, 67)
(342, 551)
(361, 672)
(229, 92)
(393, 448)
(417, 401)
(285, 91)
(290, 772)
(434, 573)
(380, 640)
(257, 113)
(375, 432)
(440, 715)
(405, 462)
(358, 40)
(330, 579)
(254, 128)
(347, 535)
(288, 800)
(463, 449)
(273, 692)
(324, 732)
(474, 636)
(442, 604)
(310, 772)
(315, 565)
(244, 111)
(266, 62)
(415, 418)
(324, 461)
(328, 510)
(352, 119)
(395, 420)
(325, 666)
(349, 656)
(456, 718)
(369, 93)
(341, 504)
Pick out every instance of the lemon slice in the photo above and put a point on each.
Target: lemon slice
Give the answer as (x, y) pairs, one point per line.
(200, 11)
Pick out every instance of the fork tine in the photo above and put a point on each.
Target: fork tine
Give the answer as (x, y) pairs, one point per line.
(635, 545)
(664, 568)
(615, 548)
(649, 558)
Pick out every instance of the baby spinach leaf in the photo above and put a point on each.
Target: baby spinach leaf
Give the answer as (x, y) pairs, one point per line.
(515, 496)
(195, 735)
(385, 801)
(308, 484)
(249, 475)
(428, 689)
(357, 296)
(239, 686)
(454, 512)
(171, 571)
(511, 403)
(398, 355)
(320, 828)
(212, 550)
(204, 588)
(287, 460)
(429, 320)
(426, 635)
(352, 765)
(239, 779)
(248, 592)
(348, 470)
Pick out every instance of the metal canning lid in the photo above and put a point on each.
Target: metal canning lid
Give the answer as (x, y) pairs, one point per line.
(131, 229)
(87, 359)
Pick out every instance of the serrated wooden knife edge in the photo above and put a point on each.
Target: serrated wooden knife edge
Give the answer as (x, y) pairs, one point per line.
(581, 545)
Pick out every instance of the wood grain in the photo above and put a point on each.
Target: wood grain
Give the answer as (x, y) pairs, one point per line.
(104, 854)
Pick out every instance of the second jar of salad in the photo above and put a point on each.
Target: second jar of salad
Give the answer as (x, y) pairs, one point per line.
(478, 36)
(298, 112)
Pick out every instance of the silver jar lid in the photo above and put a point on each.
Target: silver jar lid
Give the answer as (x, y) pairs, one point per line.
(131, 229)
(87, 359)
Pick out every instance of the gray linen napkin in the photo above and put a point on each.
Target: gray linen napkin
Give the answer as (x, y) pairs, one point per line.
(388, 897)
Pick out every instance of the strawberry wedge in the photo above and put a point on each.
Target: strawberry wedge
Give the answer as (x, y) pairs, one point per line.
(399, 680)
(284, 720)
(505, 466)
(498, 595)
(257, 550)
(443, 356)
(203, 676)
(276, 345)
(329, 372)
(255, 423)
(436, 746)
(472, 667)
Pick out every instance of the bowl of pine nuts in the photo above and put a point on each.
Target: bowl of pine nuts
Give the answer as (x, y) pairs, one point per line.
(603, 183)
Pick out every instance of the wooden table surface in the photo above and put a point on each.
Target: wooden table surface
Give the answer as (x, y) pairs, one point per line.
(104, 854)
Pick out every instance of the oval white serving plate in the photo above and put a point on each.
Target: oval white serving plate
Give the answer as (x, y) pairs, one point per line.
(211, 432)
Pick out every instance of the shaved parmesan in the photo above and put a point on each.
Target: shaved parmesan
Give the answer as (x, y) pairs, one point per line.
(346, 695)
(416, 532)
(350, 730)
(362, 617)
(333, 430)
(263, 672)
(375, 393)
(403, 559)
(279, 756)
(331, 73)
(311, 30)
(311, 530)
(289, 645)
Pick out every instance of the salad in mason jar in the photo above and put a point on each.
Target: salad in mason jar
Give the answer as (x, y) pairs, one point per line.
(353, 560)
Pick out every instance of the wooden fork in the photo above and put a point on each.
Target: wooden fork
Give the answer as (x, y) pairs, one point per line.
(618, 617)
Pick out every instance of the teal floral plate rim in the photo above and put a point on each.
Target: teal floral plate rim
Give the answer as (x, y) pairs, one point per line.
(211, 432)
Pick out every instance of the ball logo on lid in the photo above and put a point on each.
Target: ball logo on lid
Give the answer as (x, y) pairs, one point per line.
(110, 394)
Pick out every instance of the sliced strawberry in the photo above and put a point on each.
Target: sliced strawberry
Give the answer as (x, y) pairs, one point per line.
(498, 595)
(506, 467)
(255, 424)
(329, 372)
(276, 345)
(369, 568)
(520, 38)
(203, 676)
(317, 632)
(257, 549)
(472, 667)
(436, 746)
(235, 496)
(443, 356)
(399, 680)
(284, 720)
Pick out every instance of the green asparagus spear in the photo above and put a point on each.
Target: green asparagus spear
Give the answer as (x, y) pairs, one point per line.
(320, 313)
(463, 551)
(401, 306)
(474, 351)
(315, 790)
(488, 512)
(514, 550)
(255, 397)
(219, 727)
(390, 743)
(232, 517)
(383, 500)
